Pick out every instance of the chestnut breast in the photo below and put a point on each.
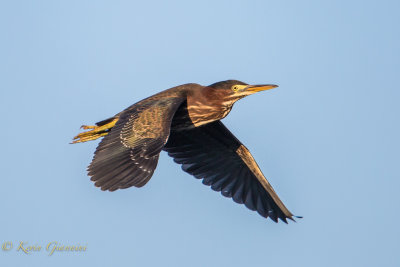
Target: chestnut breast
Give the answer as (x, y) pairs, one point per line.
(208, 104)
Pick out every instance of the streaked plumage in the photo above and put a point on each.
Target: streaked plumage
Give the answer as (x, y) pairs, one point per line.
(185, 122)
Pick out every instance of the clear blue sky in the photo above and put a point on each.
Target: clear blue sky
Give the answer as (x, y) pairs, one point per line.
(327, 138)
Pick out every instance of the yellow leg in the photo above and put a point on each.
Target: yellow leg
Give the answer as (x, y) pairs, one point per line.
(96, 132)
(85, 127)
(87, 138)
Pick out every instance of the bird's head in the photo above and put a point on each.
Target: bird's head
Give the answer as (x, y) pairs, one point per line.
(215, 101)
(233, 90)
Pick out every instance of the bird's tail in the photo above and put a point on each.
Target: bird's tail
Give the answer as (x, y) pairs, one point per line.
(101, 129)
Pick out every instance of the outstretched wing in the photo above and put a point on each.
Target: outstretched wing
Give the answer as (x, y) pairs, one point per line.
(212, 153)
(128, 155)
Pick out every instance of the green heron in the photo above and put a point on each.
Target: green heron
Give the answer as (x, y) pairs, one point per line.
(185, 122)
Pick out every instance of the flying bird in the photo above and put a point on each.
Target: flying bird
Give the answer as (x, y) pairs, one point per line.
(184, 121)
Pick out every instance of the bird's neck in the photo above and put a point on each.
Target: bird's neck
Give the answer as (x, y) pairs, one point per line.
(203, 110)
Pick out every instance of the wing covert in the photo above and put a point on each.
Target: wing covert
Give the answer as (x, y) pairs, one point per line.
(129, 154)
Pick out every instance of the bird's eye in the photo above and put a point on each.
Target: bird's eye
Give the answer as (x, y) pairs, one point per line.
(235, 88)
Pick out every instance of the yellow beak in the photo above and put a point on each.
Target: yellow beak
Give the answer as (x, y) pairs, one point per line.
(260, 87)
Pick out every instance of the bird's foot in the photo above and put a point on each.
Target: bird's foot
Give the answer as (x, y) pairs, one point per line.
(95, 133)
(86, 127)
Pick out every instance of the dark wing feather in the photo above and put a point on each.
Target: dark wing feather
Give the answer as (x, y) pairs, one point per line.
(212, 153)
(128, 155)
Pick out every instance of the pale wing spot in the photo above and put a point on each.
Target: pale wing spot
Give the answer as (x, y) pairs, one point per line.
(248, 159)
